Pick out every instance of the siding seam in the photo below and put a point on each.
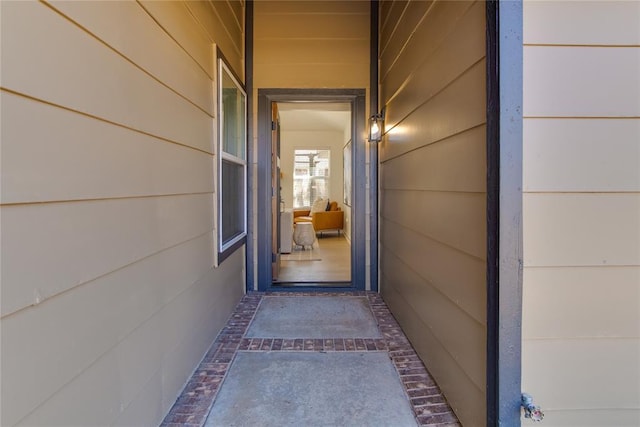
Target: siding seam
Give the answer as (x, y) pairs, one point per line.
(73, 288)
(211, 77)
(144, 196)
(434, 286)
(604, 266)
(204, 29)
(112, 348)
(441, 140)
(446, 350)
(435, 94)
(395, 27)
(579, 45)
(410, 37)
(126, 58)
(432, 239)
(420, 190)
(569, 192)
(584, 338)
(111, 122)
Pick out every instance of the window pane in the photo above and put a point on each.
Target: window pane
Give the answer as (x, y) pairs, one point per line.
(310, 176)
(232, 211)
(233, 117)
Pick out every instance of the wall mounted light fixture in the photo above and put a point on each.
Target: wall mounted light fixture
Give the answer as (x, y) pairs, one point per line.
(376, 127)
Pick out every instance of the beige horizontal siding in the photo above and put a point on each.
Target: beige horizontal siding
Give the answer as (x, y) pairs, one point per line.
(591, 293)
(127, 230)
(608, 149)
(461, 336)
(581, 333)
(308, 75)
(592, 417)
(402, 20)
(456, 109)
(449, 375)
(433, 200)
(307, 51)
(109, 294)
(389, 13)
(222, 27)
(304, 9)
(596, 229)
(566, 81)
(459, 52)
(174, 17)
(36, 165)
(457, 275)
(455, 219)
(237, 8)
(605, 22)
(280, 27)
(591, 376)
(431, 31)
(125, 95)
(140, 39)
(107, 387)
(451, 165)
(311, 44)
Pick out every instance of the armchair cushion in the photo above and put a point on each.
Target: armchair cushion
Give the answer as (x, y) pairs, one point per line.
(328, 220)
(332, 219)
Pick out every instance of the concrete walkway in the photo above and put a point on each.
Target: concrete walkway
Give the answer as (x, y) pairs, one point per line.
(312, 359)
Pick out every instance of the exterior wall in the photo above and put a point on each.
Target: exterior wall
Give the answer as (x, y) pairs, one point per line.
(433, 190)
(109, 295)
(581, 305)
(313, 44)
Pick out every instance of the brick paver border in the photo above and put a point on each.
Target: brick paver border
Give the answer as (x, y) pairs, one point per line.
(194, 403)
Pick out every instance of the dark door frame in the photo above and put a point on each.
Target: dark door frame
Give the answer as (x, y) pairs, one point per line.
(263, 227)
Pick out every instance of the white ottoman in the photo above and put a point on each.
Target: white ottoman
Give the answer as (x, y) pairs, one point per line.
(304, 234)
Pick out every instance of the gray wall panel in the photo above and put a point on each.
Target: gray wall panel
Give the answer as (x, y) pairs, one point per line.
(428, 35)
(455, 219)
(455, 274)
(459, 107)
(433, 193)
(448, 165)
(441, 363)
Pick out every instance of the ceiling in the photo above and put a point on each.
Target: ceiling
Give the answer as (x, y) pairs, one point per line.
(313, 116)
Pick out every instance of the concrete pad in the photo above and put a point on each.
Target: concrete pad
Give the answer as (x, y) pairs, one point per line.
(311, 389)
(314, 317)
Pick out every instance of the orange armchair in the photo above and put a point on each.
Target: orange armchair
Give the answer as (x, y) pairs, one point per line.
(332, 219)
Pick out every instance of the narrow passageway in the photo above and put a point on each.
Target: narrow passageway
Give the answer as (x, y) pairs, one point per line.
(312, 359)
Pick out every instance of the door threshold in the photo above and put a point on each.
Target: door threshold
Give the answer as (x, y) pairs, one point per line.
(312, 284)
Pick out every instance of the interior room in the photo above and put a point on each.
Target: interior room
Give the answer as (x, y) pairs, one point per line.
(315, 193)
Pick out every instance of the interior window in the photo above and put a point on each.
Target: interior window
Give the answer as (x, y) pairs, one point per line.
(310, 176)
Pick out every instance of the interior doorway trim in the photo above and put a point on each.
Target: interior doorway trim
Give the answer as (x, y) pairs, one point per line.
(263, 227)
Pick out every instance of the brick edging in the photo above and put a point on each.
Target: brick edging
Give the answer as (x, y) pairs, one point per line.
(194, 403)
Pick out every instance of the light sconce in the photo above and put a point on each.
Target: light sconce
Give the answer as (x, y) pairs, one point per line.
(376, 126)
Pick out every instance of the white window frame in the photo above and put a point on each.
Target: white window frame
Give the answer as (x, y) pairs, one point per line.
(227, 248)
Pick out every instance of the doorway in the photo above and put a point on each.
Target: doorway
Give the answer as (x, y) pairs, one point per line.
(311, 152)
(314, 172)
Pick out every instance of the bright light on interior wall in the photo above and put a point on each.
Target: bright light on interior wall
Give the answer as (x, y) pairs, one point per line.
(376, 124)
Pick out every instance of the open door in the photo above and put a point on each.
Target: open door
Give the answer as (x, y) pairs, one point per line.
(275, 191)
(272, 271)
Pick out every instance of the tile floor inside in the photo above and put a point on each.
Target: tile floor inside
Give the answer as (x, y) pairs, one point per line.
(340, 359)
